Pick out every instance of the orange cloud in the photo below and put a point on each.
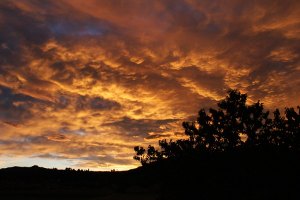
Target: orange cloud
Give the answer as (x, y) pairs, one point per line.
(83, 82)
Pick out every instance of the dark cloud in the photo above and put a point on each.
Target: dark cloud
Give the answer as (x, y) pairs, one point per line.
(158, 136)
(23, 27)
(140, 127)
(14, 107)
(96, 103)
(107, 160)
(50, 155)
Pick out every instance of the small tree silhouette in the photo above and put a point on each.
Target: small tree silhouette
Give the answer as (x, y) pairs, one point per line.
(233, 126)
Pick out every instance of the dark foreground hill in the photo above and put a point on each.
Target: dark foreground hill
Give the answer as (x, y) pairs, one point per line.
(239, 175)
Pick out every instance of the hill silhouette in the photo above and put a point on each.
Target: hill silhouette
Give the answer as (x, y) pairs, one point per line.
(41, 183)
(217, 177)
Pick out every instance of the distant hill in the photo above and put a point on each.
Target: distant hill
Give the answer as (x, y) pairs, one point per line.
(41, 183)
(263, 175)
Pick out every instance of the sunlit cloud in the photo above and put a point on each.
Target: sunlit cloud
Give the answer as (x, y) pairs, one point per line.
(83, 82)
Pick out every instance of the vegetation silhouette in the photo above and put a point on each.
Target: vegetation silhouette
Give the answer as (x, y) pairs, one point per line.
(233, 127)
(237, 151)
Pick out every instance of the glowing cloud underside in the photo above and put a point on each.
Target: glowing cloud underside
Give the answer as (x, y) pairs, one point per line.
(83, 82)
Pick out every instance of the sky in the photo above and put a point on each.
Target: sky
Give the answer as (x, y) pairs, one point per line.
(84, 81)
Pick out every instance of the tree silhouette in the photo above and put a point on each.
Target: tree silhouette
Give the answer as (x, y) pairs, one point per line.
(234, 126)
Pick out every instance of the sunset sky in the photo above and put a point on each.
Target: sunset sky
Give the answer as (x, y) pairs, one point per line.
(84, 81)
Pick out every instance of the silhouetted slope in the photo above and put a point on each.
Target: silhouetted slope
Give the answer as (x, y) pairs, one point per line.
(234, 176)
(41, 183)
(238, 175)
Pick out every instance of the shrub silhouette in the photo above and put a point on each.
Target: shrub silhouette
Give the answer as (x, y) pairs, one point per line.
(234, 126)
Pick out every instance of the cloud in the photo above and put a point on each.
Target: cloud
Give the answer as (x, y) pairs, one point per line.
(140, 127)
(96, 103)
(83, 82)
(14, 107)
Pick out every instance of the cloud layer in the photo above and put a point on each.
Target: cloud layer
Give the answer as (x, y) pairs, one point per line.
(82, 82)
